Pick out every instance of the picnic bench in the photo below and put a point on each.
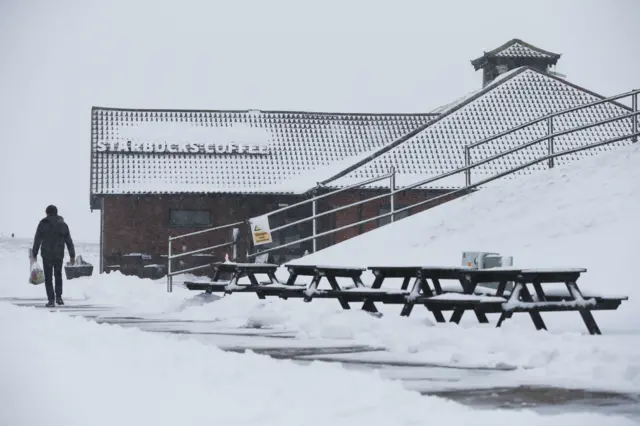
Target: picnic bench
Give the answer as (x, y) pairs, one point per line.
(521, 299)
(237, 271)
(438, 289)
(428, 290)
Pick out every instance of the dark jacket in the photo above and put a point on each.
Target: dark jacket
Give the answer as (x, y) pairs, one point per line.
(53, 233)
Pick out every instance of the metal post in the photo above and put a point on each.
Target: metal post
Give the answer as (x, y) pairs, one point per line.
(550, 140)
(467, 163)
(392, 187)
(634, 125)
(102, 235)
(314, 211)
(235, 232)
(169, 276)
(248, 240)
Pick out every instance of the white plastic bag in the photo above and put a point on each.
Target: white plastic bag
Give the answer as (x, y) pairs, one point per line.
(36, 273)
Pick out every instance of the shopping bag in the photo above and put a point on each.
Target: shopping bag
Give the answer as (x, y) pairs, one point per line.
(78, 269)
(36, 273)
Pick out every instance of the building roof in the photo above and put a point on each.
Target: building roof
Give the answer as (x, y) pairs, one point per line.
(516, 97)
(297, 144)
(516, 48)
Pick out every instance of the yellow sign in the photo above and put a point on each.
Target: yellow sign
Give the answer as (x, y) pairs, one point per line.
(260, 230)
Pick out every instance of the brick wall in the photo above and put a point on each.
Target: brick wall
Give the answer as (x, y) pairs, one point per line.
(140, 224)
(374, 208)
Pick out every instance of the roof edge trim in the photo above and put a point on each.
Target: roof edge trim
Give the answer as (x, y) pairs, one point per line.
(247, 111)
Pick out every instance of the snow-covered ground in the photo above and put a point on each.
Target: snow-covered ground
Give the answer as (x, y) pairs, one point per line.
(77, 372)
(582, 215)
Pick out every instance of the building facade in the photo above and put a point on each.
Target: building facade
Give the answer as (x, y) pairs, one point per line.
(161, 173)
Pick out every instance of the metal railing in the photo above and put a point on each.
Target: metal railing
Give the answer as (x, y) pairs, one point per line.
(313, 201)
(315, 216)
(467, 188)
(633, 94)
(437, 199)
(171, 256)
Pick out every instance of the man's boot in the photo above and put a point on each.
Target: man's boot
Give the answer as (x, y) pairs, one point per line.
(59, 301)
(50, 304)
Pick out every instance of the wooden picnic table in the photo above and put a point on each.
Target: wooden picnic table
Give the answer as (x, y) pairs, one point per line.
(238, 271)
(331, 273)
(423, 293)
(482, 301)
(521, 299)
(427, 289)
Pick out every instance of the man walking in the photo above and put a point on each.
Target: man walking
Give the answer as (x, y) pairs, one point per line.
(53, 233)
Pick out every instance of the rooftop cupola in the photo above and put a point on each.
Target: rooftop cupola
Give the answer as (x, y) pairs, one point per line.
(514, 54)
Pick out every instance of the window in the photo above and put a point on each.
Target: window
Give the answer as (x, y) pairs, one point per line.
(189, 218)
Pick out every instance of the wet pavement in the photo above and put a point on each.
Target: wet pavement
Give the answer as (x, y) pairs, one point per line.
(548, 400)
(469, 386)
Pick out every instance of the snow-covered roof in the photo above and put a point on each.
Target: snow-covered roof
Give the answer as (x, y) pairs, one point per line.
(295, 144)
(516, 48)
(451, 105)
(517, 97)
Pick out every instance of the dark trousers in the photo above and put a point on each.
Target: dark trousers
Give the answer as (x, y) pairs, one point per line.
(54, 266)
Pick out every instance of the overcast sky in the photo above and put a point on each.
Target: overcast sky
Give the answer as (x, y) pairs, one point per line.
(59, 58)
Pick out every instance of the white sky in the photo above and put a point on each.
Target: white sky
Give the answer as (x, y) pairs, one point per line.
(59, 58)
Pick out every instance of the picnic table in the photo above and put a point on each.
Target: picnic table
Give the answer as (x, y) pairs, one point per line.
(331, 273)
(428, 290)
(238, 271)
(521, 299)
(427, 286)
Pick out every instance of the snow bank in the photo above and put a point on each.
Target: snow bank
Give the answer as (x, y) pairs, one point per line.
(77, 372)
(564, 357)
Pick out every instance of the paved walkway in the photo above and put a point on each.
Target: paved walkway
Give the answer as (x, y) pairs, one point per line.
(429, 379)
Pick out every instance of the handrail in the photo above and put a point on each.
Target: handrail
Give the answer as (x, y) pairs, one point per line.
(318, 197)
(459, 170)
(183, 271)
(465, 189)
(337, 209)
(511, 151)
(303, 202)
(553, 135)
(322, 234)
(523, 166)
(171, 256)
(177, 237)
(176, 256)
(553, 114)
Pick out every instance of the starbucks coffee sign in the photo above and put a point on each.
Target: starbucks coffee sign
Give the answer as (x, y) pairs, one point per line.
(181, 148)
(186, 138)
